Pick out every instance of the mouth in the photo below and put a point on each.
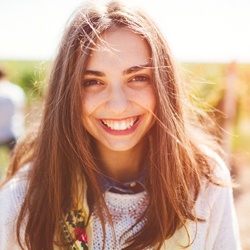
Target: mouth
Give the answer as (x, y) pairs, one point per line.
(120, 125)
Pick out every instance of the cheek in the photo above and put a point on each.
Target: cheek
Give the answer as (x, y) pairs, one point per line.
(149, 99)
(89, 104)
(152, 98)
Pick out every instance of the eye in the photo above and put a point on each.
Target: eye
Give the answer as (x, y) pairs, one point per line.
(91, 83)
(140, 79)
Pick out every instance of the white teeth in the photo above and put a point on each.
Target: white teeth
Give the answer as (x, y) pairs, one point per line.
(123, 125)
(131, 122)
(116, 126)
(120, 125)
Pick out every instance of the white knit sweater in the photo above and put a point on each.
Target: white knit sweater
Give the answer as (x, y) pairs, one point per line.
(215, 204)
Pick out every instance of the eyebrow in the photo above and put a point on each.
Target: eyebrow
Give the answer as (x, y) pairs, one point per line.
(136, 68)
(125, 72)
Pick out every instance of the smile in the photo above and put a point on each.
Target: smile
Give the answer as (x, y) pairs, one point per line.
(120, 125)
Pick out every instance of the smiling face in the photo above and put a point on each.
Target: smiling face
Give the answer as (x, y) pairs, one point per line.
(117, 93)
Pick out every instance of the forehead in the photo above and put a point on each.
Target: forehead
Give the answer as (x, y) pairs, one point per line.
(119, 47)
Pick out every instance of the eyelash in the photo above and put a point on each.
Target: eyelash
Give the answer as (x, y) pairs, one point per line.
(91, 82)
(140, 78)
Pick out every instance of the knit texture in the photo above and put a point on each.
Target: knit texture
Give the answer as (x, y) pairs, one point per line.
(214, 204)
(125, 210)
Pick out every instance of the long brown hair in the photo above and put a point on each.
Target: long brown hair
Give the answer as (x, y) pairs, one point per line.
(62, 149)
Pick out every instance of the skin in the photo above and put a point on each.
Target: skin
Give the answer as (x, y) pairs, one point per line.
(118, 100)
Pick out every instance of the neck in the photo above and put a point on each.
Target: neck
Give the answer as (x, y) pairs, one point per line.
(123, 166)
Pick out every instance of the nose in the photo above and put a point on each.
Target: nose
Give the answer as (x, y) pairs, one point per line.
(117, 101)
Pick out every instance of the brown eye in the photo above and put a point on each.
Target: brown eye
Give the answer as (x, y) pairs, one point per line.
(140, 78)
(91, 82)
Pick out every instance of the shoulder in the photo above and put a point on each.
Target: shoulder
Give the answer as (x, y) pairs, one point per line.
(220, 173)
(11, 196)
(218, 188)
(19, 178)
(215, 205)
(12, 193)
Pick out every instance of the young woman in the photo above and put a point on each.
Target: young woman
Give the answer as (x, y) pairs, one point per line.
(118, 161)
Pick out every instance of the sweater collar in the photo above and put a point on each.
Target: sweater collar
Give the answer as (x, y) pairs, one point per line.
(131, 187)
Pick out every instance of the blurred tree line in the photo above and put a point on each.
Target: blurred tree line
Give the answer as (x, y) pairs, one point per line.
(30, 75)
(209, 82)
(225, 89)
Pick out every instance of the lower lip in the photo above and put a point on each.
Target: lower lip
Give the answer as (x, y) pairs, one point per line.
(122, 132)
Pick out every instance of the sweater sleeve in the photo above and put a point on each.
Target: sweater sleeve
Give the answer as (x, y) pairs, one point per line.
(11, 198)
(216, 205)
(224, 223)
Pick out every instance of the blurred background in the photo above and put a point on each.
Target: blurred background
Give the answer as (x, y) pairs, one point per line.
(210, 40)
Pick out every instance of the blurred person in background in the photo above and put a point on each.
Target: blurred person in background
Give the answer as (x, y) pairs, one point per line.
(12, 111)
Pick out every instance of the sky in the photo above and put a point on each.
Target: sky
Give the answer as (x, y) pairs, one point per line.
(196, 30)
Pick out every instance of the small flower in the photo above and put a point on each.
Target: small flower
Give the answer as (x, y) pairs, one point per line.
(81, 235)
(84, 238)
(75, 224)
